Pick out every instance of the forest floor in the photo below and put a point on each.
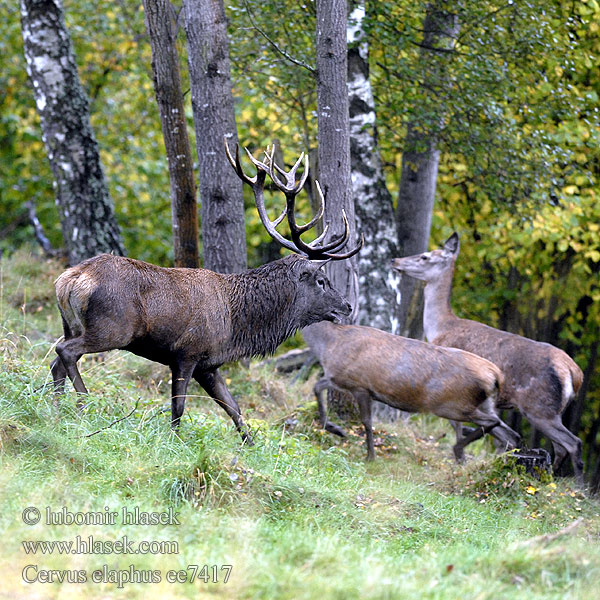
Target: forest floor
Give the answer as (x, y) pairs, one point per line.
(298, 515)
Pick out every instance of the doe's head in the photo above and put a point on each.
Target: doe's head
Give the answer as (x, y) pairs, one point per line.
(429, 266)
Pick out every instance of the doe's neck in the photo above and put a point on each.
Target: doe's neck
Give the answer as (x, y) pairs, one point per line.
(437, 312)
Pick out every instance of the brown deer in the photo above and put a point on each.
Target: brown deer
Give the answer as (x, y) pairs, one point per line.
(410, 375)
(540, 379)
(194, 320)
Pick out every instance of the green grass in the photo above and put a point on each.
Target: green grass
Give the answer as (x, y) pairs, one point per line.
(298, 515)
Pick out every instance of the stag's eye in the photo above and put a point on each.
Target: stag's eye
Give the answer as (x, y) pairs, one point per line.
(424, 257)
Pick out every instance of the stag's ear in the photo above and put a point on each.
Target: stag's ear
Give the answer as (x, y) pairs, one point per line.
(322, 263)
(452, 244)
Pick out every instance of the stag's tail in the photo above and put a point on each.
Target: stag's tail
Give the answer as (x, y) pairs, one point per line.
(73, 290)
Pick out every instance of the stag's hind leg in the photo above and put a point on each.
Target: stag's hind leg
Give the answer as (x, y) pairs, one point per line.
(59, 376)
(69, 352)
(181, 374)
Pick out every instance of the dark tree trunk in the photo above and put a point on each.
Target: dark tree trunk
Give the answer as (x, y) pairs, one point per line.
(222, 212)
(162, 31)
(86, 210)
(334, 140)
(334, 153)
(373, 203)
(420, 159)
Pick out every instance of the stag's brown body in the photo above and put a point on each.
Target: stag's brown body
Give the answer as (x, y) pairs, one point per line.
(194, 320)
(409, 375)
(540, 379)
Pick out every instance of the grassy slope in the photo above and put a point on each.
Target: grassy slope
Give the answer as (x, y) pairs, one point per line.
(298, 515)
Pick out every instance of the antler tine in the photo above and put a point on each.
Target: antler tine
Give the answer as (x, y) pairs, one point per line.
(257, 183)
(237, 164)
(291, 189)
(290, 177)
(338, 241)
(327, 251)
(349, 254)
(317, 217)
(314, 250)
(260, 166)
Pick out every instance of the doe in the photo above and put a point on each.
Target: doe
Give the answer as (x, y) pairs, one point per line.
(540, 379)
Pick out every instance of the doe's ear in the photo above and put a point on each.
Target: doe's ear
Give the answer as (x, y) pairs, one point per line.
(452, 244)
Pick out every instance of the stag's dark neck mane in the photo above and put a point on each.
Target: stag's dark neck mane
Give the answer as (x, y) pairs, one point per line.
(263, 309)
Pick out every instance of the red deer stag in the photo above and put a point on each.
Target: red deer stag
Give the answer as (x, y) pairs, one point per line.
(540, 380)
(410, 375)
(194, 320)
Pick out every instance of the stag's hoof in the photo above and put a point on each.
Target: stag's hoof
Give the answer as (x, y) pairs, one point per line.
(459, 454)
(334, 429)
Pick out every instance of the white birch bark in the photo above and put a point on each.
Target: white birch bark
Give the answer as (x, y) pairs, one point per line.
(378, 284)
(86, 209)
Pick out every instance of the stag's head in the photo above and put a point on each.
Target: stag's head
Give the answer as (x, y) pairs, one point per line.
(430, 266)
(317, 300)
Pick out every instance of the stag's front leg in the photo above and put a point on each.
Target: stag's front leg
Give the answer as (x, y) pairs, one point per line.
(181, 375)
(215, 386)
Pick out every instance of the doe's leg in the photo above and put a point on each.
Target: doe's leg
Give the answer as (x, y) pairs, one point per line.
(364, 405)
(320, 387)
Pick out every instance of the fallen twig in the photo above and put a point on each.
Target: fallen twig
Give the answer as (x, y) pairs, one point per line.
(114, 422)
(550, 537)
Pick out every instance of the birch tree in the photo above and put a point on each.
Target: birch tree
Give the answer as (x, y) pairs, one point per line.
(86, 209)
(378, 303)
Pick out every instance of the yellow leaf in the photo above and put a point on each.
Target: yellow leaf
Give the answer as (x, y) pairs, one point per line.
(570, 190)
(594, 255)
(531, 490)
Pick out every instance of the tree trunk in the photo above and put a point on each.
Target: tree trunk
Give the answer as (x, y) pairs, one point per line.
(162, 31)
(222, 211)
(420, 159)
(373, 204)
(86, 210)
(334, 153)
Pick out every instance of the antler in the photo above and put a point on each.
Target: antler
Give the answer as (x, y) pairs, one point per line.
(287, 184)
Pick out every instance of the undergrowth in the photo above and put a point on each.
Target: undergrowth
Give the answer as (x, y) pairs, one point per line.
(298, 514)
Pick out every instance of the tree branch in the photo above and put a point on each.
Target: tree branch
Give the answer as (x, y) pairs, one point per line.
(283, 53)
